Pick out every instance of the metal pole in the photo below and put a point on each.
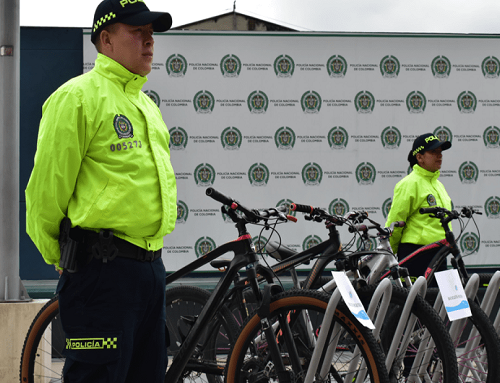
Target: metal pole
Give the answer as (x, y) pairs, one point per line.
(11, 288)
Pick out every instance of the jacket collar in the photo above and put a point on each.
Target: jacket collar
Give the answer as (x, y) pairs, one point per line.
(425, 173)
(116, 72)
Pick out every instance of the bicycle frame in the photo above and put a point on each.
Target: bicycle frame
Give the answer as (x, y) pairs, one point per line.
(245, 256)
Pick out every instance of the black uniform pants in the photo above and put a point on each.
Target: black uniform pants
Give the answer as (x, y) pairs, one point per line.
(113, 315)
(418, 265)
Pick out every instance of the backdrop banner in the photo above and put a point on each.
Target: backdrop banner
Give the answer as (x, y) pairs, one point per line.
(324, 120)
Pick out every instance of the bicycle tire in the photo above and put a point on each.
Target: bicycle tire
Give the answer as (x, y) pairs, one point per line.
(443, 355)
(250, 363)
(36, 359)
(183, 305)
(487, 353)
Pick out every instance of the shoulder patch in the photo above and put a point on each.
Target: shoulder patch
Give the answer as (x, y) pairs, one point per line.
(123, 126)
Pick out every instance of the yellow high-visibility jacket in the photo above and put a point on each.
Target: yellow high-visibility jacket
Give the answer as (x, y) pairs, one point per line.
(418, 189)
(103, 160)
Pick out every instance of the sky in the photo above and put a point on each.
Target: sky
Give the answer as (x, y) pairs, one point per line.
(420, 16)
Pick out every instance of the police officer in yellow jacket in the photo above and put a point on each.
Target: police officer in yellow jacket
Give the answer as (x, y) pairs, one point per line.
(100, 199)
(421, 188)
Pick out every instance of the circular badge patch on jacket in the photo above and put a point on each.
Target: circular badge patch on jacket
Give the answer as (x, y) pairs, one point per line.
(431, 200)
(123, 126)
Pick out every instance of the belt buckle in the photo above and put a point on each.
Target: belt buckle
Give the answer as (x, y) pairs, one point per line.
(147, 256)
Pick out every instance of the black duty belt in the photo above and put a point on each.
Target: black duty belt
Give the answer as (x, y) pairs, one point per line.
(104, 245)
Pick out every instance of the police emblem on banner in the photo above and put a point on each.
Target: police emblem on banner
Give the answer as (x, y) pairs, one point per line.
(441, 67)
(257, 102)
(469, 242)
(389, 67)
(153, 96)
(178, 138)
(123, 126)
(336, 66)
(416, 102)
(492, 207)
(312, 174)
(204, 175)
(391, 137)
(310, 241)
(364, 102)
(311, 102)
(338, 138)
(366, 244)
(386, 207)
(288, 204)
(491, 137)
(231, 138)
(182, 212)
(468, 172)
(284, 66)
(230, 66)
(203, 246)
(338, 206)
(466, 102)
(176, 65)
(443, 133)
(284, 138)
(204, 102)
(260, 243)
(491, 67)
(258, 174)
(366, 173)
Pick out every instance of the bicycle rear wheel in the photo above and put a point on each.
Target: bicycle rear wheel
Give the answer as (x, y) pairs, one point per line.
(183, 305)
(42, 359)
(428, 334)
(477, 363)
(356, 355)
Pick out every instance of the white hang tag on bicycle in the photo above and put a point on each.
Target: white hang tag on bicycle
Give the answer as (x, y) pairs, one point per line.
(351, 299)
(452, 291)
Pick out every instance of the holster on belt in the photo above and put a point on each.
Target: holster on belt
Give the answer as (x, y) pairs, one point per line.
(68, 246)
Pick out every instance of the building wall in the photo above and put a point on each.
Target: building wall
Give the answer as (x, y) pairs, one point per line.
(49, 57)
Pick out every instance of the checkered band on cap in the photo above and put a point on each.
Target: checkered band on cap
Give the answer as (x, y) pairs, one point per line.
(103, 20)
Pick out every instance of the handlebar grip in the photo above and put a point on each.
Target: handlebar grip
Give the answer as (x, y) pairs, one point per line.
(301, 208)
(355, 228)
(212, 193)
(399, 223)
(428, 210)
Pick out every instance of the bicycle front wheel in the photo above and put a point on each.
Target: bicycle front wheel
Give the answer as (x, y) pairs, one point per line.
(425, 351)
(42, 359)
(183, 306)
(356, 354)
(477, 344)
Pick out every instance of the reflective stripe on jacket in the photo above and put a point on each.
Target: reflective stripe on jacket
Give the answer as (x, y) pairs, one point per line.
(418, 189)
(103, 160)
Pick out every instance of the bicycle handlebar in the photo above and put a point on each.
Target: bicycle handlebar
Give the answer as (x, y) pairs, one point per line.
(252, 215)
(219, 197)
(466, 211)
(381, 230)
(302, 208)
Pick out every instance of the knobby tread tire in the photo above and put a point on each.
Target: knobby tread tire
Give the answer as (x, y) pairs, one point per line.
(426, 317)
(32, 340)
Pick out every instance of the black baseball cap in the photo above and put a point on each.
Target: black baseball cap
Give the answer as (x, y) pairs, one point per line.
(424, 143)
(131, 12)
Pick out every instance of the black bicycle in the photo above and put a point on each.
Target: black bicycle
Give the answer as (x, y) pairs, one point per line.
(280, 353)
